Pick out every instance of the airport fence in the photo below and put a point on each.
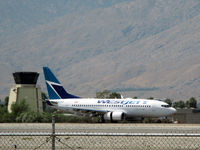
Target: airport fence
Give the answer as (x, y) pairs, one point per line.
(99, 141)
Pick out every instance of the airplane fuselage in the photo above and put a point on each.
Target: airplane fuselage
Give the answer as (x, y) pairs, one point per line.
(131, 107)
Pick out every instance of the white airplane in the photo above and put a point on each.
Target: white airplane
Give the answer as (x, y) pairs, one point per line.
(106, 109)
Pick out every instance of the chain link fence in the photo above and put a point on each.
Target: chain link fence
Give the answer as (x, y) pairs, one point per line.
(30, 139)
(91, 141)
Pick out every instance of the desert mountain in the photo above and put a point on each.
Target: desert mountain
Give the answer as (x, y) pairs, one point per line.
(136, 47)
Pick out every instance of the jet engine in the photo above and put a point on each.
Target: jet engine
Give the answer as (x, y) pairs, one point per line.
(114, 116)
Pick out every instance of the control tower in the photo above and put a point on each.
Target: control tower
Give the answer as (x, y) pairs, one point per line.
(25, 88)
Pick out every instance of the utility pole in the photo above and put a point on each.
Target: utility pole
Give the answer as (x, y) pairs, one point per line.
(53, 132)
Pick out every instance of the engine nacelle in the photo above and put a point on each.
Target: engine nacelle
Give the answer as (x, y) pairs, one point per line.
(107, 116)
(114, 116)
(117, 116)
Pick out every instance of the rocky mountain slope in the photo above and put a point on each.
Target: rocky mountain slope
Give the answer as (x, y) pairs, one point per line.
(139, 47)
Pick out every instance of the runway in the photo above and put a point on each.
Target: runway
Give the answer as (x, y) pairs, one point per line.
(100, 128)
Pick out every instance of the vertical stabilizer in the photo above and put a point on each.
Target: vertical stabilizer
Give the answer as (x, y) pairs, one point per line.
(54, 87)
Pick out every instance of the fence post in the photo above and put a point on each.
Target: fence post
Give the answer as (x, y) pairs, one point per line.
(53, 132)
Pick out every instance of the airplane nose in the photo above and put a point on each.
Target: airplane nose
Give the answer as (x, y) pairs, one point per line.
(173, 110)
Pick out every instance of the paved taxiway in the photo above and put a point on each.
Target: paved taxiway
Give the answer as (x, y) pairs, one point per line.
(106, 128)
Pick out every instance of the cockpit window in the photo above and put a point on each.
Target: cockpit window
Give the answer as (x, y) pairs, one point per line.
(166, 106)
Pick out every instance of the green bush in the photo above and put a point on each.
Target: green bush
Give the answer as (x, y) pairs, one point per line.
(168, 101)
(191, 103)
(19, 107)
(46, 117)
(28, 117)
(108, 94)
(179, 104)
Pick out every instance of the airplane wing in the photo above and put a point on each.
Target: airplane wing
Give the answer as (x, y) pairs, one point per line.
(90, 110)
(94, 112)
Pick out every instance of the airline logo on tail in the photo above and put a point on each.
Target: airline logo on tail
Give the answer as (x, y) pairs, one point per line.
(54, 87)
